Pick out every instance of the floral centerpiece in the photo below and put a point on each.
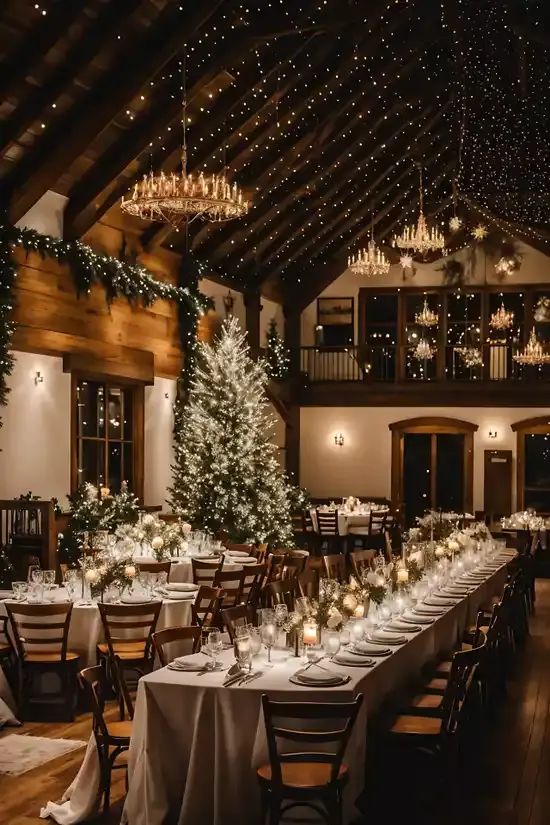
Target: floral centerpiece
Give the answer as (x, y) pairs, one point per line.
(165, 539)
(352, 503)
(524, 520)
(106, 569)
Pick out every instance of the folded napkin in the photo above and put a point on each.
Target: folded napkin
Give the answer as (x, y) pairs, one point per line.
(316, 675)
(237, 553)
(455, 590)
(192, 664)
(371, 649)
(440, 601)
(184, 587)
(415, 618)
(388, 638)
(399, 626)
(424, 609)
(352, 659)
(139, 599)
(178, 596)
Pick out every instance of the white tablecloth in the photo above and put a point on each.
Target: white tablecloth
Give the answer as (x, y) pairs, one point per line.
(217, 735)
(182, 569)
(347, 520)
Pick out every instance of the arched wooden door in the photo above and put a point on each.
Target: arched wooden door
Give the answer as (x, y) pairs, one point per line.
(432, 465)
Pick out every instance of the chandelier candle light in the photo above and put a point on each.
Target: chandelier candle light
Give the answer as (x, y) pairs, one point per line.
(420, 238)
(426, 318)
(423, 350)
(533, 355)
(180, 198)
(501, 319)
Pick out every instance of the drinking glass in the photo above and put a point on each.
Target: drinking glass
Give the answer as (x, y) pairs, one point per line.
(19, 590)
(214, 647)
(255, 640)
(51, 592)
(35, 593)
(356, 630)
(49, 576)
(268, 630)
(331, 643)
(243, 652)
(35, 573)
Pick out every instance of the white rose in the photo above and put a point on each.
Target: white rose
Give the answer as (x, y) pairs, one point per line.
(148, 519)
(102, 570)
(186, 528)
(350, 602)
(92, 575)
(130, 571)
(453, 545)
(439, 552)
(334, 618)
(157, 542)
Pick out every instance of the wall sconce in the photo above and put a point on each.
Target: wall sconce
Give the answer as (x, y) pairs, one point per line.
(167, 395)
(228, 304)
(339, 439)
(38, 378)
(493, 434)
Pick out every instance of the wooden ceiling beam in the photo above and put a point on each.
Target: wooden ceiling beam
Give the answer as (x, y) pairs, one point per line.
(43, 164)
(36, 43)
(100, 31)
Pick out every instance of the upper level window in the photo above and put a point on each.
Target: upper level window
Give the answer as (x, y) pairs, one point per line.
(381, 332)
(105, 429)
(335, 322)
(421, 339)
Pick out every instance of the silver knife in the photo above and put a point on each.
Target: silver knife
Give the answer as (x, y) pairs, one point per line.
(251, 678)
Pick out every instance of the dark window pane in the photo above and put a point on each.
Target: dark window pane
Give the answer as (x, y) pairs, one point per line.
(90, 409)
(91, 461)
(128, 465)
(537, 461)
(416, 474)
(338, 335)
(128, 415)
(114, 412)
(450, 472)
(381, 309)
(115, 466)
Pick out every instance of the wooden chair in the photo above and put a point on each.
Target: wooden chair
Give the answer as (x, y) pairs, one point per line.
(283, 592)
(188, 639)
(41, 634)
(204, 572)
(8, 655)
(231, 582)
(335, 566)
(260, 552)
(205, 610)
(329, 531)
(155, 567)
(252, 582)
(301, 777)
(112, 738)
(128, 629)
(362, 561)
(244, 548)
(293, 566)
(232, 617)
(308, 584)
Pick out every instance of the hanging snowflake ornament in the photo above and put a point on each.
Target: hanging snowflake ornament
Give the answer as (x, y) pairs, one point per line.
(455, 223)
(505, 266)
(406, 261)
(480, 232)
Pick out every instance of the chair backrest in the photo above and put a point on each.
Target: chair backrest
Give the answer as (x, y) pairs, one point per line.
(275, 568)
(204, 571)
(5, 638)
(307, 522)
(187, 639)
(40, 628)
(206, 607)
(129, 623)
(308, 584)
(463, 666)
(260, 552)
(240, 614)
(243, 548)
(252, 581)
(92, 681)
(293, 566)
(327, 522)
(283, 592)
(231, 582)
(362, 561)
(155, 567)
(377, 522)
(287, 721)
(335, 566)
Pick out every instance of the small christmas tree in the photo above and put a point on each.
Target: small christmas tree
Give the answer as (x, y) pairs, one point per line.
(277, 356)
(226, 474)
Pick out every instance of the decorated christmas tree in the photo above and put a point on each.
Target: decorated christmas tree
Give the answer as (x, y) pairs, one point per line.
(276, 355)
(226, 474)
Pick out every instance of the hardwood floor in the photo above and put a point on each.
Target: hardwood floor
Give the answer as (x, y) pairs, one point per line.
(508, 770)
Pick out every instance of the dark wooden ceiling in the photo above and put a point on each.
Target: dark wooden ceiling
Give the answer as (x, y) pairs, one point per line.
(320, 110)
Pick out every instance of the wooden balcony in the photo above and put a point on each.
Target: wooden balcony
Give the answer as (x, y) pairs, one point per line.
(391, 375)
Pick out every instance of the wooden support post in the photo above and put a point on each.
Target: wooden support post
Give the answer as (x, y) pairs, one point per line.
(253, 307)
(292, 442)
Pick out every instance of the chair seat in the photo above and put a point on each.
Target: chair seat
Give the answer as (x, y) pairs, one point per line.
(120, 730)
(124, 650)
(51, 656)
(5, 649)
(303, 774)
(432, 701)
(438, 683)
(417, 725)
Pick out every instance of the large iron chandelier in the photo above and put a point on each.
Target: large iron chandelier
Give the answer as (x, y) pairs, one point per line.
(502, 319)
(181, 197)
(533, 355)
(420, 238)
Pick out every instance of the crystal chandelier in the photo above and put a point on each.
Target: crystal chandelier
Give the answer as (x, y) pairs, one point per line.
(420, 238)
(424, 350)
(501, 319)
(181, 197)
(370, 261)
(471, 356)
(533, 355)
(426, 318)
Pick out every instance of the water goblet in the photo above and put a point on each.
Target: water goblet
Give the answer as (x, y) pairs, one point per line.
(49, 576)
(331, 643)
(19, 590)
(35, 593)
(356, 630)
(35, 573)
(255, 640)
(243, 651)
(214, 647)
(268, 630)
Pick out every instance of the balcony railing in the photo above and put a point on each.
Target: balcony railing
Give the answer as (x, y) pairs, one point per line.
(398, 364)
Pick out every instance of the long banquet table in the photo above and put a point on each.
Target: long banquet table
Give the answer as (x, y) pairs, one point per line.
(216, 735)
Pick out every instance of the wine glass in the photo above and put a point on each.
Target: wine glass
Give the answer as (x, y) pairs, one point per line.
(34, 574)
(331, 643)
(255, 639)
(268, 630)
(49, 577)
(214, 647)
(19, 590)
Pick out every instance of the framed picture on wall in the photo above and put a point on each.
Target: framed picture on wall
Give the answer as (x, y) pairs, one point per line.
(335, 316)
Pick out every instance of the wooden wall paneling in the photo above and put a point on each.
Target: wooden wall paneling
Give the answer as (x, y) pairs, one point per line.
(139, 441)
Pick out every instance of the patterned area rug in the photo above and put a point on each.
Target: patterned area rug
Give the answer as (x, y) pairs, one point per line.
(20, 753)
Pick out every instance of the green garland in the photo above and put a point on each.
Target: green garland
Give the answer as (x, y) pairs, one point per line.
(119, 280)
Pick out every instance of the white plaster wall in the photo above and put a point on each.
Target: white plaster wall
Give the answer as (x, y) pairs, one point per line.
(158, 449)
(35, 439)
(46, 216)
(218, 292)
(270, 310)
(535, 268)
(363, 465)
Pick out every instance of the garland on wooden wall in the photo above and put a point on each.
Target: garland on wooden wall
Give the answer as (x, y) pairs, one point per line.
(119, 280)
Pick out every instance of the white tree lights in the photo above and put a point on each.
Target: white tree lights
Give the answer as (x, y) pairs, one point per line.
(226, 474)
